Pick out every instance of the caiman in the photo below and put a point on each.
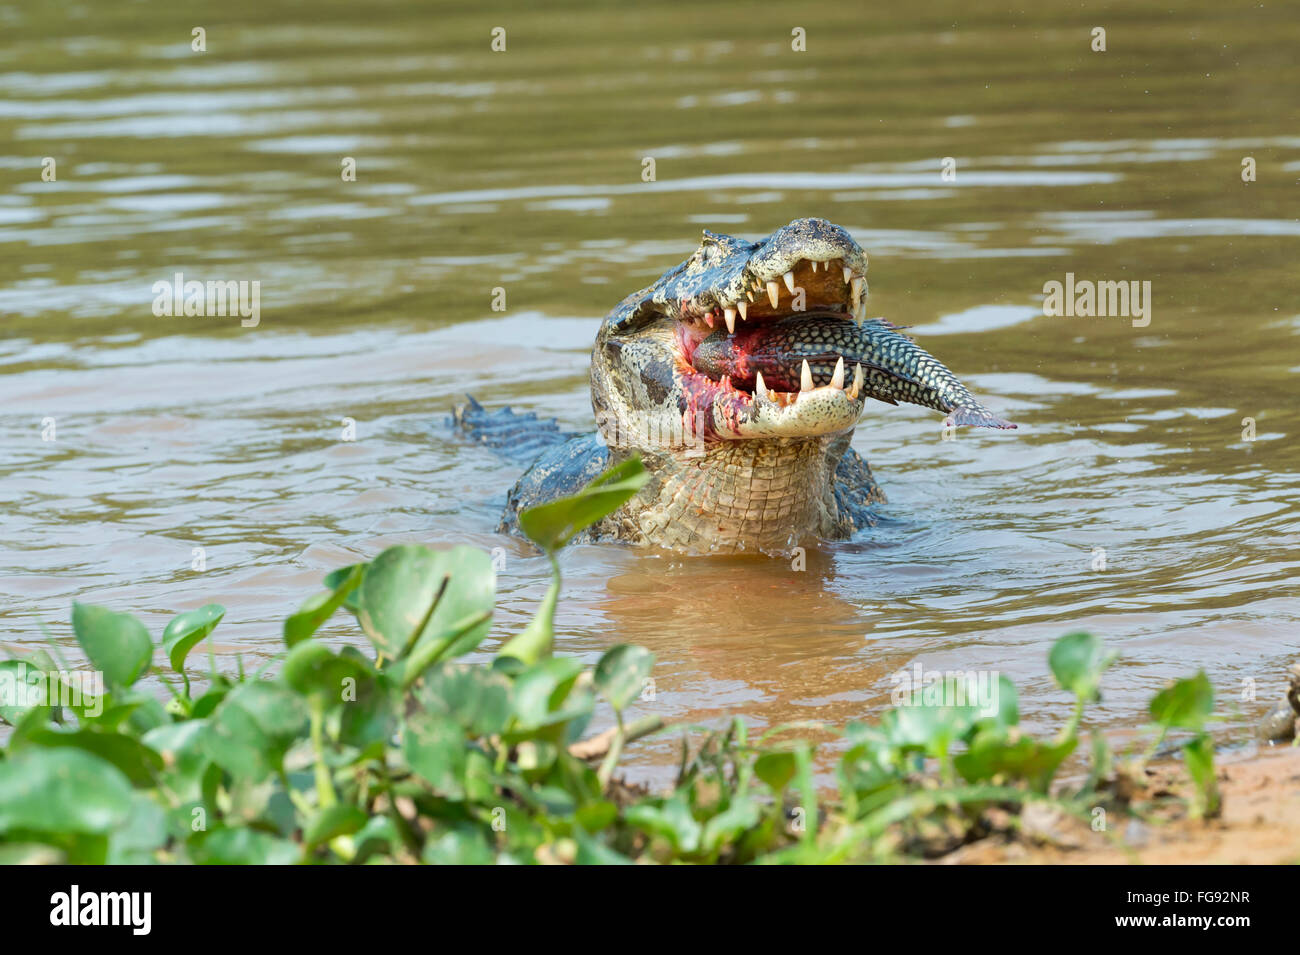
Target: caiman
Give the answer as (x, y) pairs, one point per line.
(739, 377)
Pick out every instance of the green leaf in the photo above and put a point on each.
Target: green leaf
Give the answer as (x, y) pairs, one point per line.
(243, 847)
(315, 610)
(434, 746)
(376, 836)
(30, 853)
(23, 688)
(461, 845)
(928, 729)
(551, 526)
(1078, 661)
(63, 790)
(622, 672)
(474, 696)
(1186, 704)
(144, 831)
(1007, 714)
(370, 718)
(727, 826)
(253, 727)
(181, 747)
(591, 851)
(146, 713)
(412, 595)
(427, 652)
(542, 690)
(116, 643)
(339, 820)
(672, 821)
(991, 756)
(336, 578)
(140, 764)
(535, 641)
(186, 630)
(776, 769)
(313, 669)
(596, 816)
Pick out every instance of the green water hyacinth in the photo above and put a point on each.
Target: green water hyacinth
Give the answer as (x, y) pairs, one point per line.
(410, 753)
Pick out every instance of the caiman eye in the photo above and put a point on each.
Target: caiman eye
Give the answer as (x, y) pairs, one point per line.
(708, 246)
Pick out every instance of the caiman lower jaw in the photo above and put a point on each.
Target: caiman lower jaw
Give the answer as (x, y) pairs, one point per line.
(810, 412)
(721, 409)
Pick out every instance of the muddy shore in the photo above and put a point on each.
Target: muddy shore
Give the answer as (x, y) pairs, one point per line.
(1258, 823)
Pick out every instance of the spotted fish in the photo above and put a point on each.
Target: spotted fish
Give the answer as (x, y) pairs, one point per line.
(894, 367)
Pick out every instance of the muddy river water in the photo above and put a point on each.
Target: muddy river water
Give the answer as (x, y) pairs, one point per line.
(156, 463)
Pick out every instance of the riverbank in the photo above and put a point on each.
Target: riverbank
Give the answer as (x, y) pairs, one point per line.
(1259, 823)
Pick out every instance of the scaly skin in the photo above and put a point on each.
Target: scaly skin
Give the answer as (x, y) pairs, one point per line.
(763, 496)
(739, 465)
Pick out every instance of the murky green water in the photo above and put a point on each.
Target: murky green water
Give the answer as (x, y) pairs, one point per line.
(523, 170)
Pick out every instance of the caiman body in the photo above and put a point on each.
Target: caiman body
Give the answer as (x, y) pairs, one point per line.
(738, 377)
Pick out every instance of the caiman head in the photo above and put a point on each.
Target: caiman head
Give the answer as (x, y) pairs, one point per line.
(739, 377)
(736, 464)
(649, 395)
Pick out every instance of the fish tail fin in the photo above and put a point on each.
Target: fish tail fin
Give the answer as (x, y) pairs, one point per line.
(975, 417)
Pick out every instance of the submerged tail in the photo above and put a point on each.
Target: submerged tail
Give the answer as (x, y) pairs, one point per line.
(521, 436)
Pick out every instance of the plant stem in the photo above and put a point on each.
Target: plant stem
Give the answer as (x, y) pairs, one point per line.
(1151, 750)
(325, 795)
(1071, 728)
(615, 751)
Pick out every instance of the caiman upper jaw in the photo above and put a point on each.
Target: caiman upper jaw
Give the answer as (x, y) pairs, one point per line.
(811, 263)
(804, 284)
(755, 278)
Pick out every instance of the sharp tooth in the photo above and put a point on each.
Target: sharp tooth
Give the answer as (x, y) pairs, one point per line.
(813, 263)
(848, 275)
(743, 308)
(750, 296)
(708, 317)
(773, 293)
(729, 314)
(760, 389)
(837, 379)
(860, 313)
(857, 382)
(855, 288)
(789, 281)
(805, 377)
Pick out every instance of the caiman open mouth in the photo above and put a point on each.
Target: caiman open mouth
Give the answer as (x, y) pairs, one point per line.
(754, 363)
(765, 339)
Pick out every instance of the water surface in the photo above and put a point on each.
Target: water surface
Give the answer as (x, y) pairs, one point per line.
(522, 170)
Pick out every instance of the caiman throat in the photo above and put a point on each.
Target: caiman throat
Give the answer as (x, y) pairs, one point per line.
(738, 377)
